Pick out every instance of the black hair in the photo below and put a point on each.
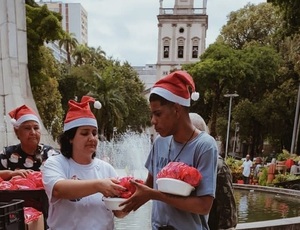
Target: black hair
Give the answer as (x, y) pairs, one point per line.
(64, 140)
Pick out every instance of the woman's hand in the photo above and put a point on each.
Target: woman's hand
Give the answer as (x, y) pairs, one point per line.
(111, 188)
(8, 174)
(21, 172)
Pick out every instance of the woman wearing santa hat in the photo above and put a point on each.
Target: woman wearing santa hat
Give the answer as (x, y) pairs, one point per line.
(29, 154)
(178, 141)
(76, 181)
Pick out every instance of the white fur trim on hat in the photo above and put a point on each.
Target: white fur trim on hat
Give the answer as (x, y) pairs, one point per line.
(171, 96)
(27, 117)
(80, 122)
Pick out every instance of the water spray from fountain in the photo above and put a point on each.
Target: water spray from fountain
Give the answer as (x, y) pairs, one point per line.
(127, 153)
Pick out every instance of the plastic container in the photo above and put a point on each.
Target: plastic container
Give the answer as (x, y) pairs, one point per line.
(12, 215)
(32, 198)
(173, 186)
(113, 203)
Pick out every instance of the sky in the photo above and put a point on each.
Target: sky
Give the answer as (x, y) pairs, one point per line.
(126, 30)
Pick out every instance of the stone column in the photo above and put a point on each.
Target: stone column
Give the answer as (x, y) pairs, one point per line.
(15, 87)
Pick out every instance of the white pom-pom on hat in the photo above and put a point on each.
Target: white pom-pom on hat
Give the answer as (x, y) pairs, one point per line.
(195, 96)
(13, 121)
(97, 105)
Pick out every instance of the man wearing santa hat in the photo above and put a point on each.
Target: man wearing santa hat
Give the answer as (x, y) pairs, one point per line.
(178, 141)
(29, 154)
(76, 181)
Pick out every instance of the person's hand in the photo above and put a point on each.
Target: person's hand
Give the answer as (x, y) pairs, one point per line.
(110, 187)
(120, 213)
(141, 196)
(21, 172)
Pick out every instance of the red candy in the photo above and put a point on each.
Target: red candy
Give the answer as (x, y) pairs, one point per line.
(130, 188)
(181, 171)
(33, 181)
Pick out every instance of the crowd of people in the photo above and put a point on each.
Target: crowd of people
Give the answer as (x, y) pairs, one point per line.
(76, 181)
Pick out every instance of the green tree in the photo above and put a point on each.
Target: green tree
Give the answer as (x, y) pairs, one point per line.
(291, 15)
(225, 70)
(69, 43)
(76, 82)
(252, 24)
(97, 58)
(132, 91)
(50, 108)
(81, 54)
(44, 26)
(114, 107)
(219, 71)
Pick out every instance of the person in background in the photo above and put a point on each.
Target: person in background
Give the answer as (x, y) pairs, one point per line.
(198, 122)
(76, 181)
(223, 214)
(258, 165)
(29, 154)
(178, 141)
(247, 165)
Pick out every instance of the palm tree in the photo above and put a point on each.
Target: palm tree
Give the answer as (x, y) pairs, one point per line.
(81, 54)
(69, 43)
(114, 107)
(97, 58)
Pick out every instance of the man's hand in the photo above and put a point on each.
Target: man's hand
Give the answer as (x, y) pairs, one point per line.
(141, 196)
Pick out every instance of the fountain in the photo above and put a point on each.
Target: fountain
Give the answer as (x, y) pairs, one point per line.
(127, 153)
(281, 207)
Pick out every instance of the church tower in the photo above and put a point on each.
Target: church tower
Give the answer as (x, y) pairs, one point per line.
(181, 34)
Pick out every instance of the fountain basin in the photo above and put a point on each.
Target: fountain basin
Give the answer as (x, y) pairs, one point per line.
(278, 224)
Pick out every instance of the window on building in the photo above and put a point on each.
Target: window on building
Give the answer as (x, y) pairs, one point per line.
(166, 51)
(166, 47)
(180, 47)
(195, 52)
(195, 47)
(180, 52)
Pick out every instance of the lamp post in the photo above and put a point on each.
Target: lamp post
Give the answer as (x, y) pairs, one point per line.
(235, 132)
(296, 123)
(231, 95)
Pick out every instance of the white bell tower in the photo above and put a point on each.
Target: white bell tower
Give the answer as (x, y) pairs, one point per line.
(181, 34)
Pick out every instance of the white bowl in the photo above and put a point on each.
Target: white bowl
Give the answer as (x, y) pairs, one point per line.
(113, 203)
(173, 186)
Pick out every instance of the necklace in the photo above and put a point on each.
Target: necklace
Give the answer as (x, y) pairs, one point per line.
(169, 160)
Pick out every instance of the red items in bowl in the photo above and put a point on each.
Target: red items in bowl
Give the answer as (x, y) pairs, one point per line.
(130, 188)
(181, 171)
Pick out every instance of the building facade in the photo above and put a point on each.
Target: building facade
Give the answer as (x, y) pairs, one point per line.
(181, 34)
(74, 21)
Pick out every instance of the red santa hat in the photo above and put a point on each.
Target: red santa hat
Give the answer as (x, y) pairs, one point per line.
(80, 114)
(22, 114)
(176, 87)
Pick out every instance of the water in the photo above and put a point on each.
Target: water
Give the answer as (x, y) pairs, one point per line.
(128, 154)
(259, 206)
(252, 207)
(140, 219)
